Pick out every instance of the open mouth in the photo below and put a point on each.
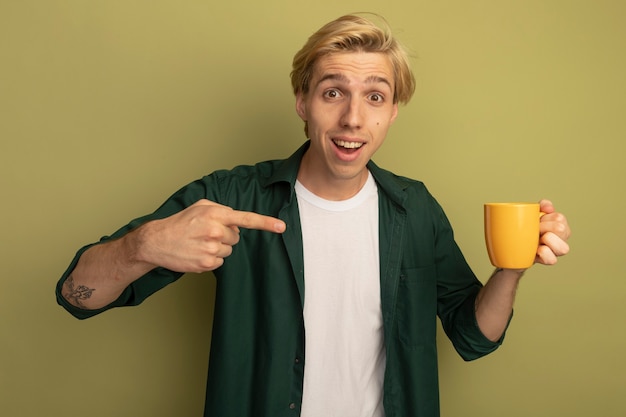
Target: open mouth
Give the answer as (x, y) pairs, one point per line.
(344, 144)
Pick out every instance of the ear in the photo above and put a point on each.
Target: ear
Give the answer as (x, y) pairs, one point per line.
(301, 106)
(394, 113)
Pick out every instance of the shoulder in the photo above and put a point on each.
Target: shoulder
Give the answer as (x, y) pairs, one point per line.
(410, 195)
(246, 172)
(248, 187)
(262, 174)
(398, 185)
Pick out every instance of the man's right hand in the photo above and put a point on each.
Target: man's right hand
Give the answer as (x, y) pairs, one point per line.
(196, 239)
(199, 238)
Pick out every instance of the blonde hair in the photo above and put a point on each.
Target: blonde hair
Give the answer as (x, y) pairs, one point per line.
(354, 33)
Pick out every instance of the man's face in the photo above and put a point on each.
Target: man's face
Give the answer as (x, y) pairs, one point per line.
(349, 108)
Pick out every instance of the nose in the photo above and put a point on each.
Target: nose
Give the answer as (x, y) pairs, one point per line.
(352, 116)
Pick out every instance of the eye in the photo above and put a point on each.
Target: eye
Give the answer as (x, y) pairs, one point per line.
(332, 93)
(376, 98)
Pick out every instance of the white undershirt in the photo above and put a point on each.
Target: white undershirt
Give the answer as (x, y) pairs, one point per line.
(345, 352)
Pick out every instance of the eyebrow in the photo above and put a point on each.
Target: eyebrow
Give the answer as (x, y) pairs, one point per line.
(372, 79)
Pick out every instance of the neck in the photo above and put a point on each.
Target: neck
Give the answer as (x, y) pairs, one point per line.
(328, 186)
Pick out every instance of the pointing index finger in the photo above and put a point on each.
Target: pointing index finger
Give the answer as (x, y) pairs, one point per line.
(251, 220)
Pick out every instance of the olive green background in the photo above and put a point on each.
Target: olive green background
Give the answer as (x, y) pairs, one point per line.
(107, 107)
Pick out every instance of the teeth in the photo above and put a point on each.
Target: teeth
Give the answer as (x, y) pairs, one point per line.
(348, 145)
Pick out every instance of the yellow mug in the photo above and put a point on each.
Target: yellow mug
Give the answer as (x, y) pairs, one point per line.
(512, 234)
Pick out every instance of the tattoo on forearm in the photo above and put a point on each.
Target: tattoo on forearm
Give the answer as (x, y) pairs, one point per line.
(76, 295)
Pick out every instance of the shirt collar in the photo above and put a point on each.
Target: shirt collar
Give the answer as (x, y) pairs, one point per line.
(392, 185)
(287, 171)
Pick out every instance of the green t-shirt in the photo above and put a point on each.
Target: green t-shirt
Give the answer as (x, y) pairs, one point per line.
(257, 356)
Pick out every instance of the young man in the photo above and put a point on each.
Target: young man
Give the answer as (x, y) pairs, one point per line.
(330, 270)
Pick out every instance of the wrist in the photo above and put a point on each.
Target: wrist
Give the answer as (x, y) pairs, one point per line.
(512, 273)
(134, 249)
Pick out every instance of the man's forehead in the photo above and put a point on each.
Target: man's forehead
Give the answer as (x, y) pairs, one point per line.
(369, 67)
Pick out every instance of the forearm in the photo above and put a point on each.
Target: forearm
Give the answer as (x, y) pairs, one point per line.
(103, 272)
(494, 303)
